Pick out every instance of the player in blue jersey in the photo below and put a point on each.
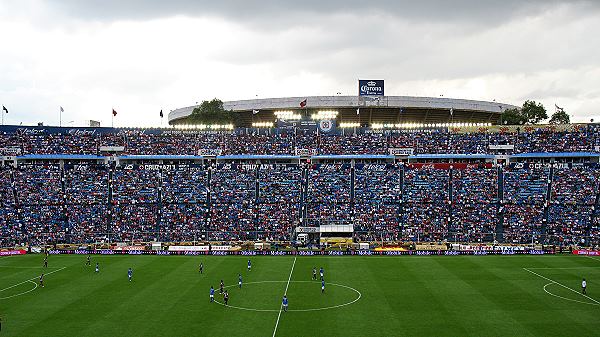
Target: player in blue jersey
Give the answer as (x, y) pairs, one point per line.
(322, 286)
(240, 280)
(285, 303)
(212, 294)
(249, 265)
(130, 274)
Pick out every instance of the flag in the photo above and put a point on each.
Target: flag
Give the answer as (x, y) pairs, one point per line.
(303, 103)
(61, 109)
(451, 111)
(114, 112)
(4, 109)
(254, 112)
(161, 114)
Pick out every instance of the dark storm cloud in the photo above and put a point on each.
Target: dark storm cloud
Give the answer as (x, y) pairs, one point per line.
(265, 12)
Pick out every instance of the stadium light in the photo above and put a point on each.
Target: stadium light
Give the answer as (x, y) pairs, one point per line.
(262, 124)
(349, 125)
(324, 114)
(287, 115)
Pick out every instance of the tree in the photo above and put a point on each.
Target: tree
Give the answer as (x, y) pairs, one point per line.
(560, 117)
(512, 117)
(530, 113)
(533, 112)
(212, 112)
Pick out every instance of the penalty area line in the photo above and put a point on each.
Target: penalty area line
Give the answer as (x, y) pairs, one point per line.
(284, 293)
(562, 285)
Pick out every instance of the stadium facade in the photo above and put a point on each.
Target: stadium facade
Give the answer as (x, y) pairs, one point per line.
(363, 110)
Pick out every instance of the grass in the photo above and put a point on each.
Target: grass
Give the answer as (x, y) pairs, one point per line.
(400, 296)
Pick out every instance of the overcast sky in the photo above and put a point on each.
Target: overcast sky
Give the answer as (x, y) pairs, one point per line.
(139, 57)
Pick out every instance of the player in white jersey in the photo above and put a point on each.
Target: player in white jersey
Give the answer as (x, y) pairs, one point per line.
(583, 286)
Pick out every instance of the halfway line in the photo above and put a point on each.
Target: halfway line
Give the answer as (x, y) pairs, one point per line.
(285, 293)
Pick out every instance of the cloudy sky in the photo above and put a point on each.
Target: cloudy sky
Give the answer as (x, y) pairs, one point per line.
(143, 56)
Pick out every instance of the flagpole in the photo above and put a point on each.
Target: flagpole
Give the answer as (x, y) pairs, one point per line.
(60, 117)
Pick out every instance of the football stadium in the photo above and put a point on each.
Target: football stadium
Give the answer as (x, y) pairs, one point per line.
(372, 227)
(348, 168)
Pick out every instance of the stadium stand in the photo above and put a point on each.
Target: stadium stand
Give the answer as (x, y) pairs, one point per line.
(87, 199)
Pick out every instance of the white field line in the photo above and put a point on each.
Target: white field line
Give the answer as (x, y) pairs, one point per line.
(565, 298)
(562, 285)
(31, 279)
(550, 268)
(35, 285)
(284, 293)
(593, 258)
(292, 310)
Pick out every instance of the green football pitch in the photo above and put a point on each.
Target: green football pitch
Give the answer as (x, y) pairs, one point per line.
(364, 296)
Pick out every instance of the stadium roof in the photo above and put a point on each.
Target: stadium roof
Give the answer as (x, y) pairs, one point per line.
(365, 111)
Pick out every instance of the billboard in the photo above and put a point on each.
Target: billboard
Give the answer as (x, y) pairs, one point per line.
(370, 88)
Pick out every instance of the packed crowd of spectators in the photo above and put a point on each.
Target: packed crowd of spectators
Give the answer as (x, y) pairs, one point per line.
(231, 183)
(187, 184)
(377, 183)
(135, 186)
(576, 185)
(426, 184)
(424, 222)
(522, 222)
(526, 185)
(88, 203)
(284, 141)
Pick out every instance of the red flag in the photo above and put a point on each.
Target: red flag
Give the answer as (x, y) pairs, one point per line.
(114, 112)
(303, 103)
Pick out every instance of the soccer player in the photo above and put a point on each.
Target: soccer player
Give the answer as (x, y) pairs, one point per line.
(314, 273)
(221, 287)
(322, 286)
(97, 267)
(212, 294)
(226, 297)
(322, 272)
(285, 303)
(46, 261)
(130, 274)
(240, 280)
(42, 280)
(249, 265)
(200, 268)
(88, 262)
(583, 286)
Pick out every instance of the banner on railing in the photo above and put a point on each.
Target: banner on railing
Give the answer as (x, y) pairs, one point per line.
(305, 152)
(401, 151)
(210, 152)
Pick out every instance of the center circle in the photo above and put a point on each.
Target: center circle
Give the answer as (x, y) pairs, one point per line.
(358, 296)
